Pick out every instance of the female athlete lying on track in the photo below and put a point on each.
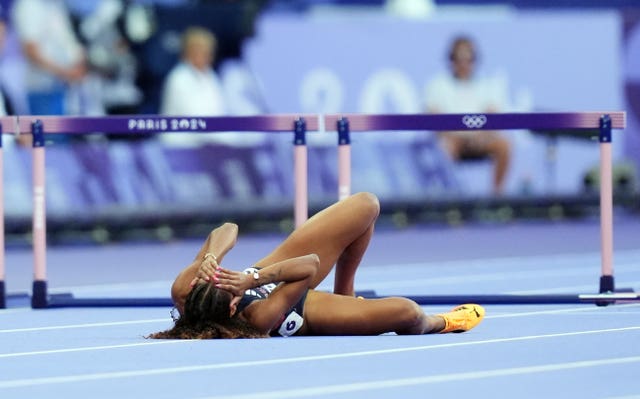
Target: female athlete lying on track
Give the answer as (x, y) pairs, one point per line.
(276, 296)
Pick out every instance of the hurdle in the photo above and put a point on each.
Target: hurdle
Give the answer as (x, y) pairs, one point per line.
(3, 295)
(39, 126)
(8, 125)
(346, 123)
(604, 122)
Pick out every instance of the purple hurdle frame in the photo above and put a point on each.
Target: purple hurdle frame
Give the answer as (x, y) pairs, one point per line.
(604, 121)
(140, 124)
(3, 295)
(144, 124)
(8, 124)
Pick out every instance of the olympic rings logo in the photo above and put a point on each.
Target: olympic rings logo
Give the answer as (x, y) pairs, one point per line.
(474, 121)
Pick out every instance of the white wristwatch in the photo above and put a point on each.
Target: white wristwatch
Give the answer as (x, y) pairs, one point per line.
(256, 276)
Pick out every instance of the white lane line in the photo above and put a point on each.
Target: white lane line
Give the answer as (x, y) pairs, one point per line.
(163, 286)
(584, 309)
(571, 263)
(560, 260)
(628, 258)
(15, 310)
(255, 363)
(91, 348)
(85, 325)
(571, 289)
(433, 379)
(484, 276)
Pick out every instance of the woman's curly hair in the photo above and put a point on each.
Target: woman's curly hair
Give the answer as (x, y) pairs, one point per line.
(206, 316)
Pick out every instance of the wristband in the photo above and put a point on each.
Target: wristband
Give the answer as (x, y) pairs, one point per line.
(209, 254)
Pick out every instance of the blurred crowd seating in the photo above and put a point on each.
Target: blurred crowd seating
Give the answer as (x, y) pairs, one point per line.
(111, 181)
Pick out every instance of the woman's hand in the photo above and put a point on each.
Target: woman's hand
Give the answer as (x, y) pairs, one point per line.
(207, 269)
(234, 282)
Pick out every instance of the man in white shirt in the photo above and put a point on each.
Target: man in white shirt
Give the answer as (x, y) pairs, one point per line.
(461, 92)
(55, 57)
(3, 29)
(193, 88)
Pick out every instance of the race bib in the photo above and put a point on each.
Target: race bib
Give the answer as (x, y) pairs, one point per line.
(291, 324)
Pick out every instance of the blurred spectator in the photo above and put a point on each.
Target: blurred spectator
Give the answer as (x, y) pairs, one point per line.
(158, 48)
(192, 87)
(56, 78)
(100, 25)
(5, 103)
(461, 91)
(411, 8)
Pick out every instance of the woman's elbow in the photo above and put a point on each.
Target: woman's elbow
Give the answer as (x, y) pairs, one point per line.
(314, 265)
(228, 227)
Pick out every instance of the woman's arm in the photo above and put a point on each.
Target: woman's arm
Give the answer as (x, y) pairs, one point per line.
(294, 275)
(218, 243)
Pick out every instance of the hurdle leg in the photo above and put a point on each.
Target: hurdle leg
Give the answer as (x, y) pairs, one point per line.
(3, 294)
(606, 206)
(344, 159)
(39, 291)
(301, 205)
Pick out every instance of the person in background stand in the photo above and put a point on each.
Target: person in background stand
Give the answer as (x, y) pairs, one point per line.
(5, 104)
(192, 87)
(57, 75)
(101, 26)
(461, 91)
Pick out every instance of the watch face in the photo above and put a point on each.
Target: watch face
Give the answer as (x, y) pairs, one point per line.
(256, 276)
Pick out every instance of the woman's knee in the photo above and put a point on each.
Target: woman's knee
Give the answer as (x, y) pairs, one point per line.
(368, 202)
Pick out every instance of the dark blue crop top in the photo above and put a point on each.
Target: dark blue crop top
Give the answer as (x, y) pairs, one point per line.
(291, 320)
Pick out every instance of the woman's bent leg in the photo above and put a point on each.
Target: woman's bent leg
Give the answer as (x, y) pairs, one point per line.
(339, 235)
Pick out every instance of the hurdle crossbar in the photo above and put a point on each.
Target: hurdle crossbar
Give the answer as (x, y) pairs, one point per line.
(344, 123)
(38, 126)
(155, 124)
(603, 122)
(521, 299)
(503, 121)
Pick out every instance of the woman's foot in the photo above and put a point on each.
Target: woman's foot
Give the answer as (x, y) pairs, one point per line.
(462, 318)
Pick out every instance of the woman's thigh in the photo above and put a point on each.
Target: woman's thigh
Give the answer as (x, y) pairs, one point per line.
(329, 232)
(330, 314)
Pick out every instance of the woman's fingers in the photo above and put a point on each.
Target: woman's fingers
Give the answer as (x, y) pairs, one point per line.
(209, 272)
(227, 278)
(231, 281)
(208, 269)
(222, 273)
(202, 274)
